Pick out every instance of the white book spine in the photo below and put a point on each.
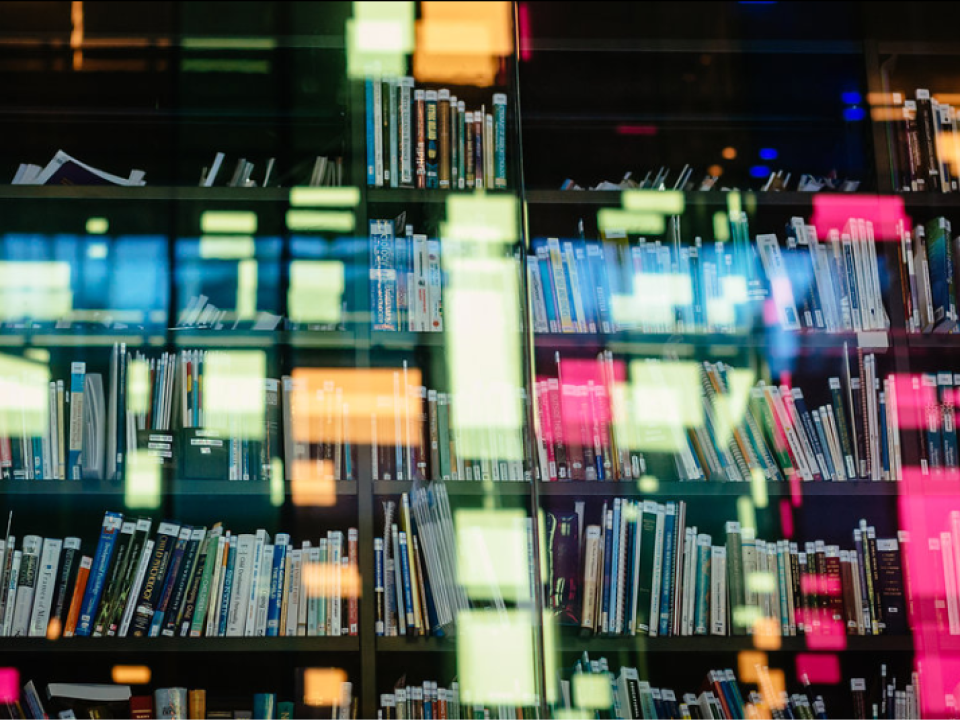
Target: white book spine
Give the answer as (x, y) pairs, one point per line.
(253, 588)
(46, 584)
(134, 593)
(294, 598)
(26, 585)
(718, 591)
(263, 590)
(655, 586)
(240, 591)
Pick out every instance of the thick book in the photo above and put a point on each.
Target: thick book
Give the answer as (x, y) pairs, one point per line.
(109, 534)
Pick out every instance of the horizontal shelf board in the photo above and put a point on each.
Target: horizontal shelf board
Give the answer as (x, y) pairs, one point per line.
(908, 47)
(149, 42)
(667, 489)
(659, 45)
(342, 644)
(729, 644)
(408, 196)
(947, 341)
(785, 343)
(144, 192)
(180, 487)
(644, 644)
(458, 488)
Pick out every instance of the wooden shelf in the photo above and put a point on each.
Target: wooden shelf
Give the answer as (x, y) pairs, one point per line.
(138, 646)
(179, 487)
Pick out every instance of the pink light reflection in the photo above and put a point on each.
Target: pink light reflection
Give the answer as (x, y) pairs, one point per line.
(818, 667)
(636, 130)
(523, 20)
(832, 211)
(786, 518)
(9, 685)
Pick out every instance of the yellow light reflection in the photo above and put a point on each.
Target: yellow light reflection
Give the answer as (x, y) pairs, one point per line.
(54, 629)
(138, 386)
(39, 290)
(592, 691)
(323, 579)
(665, 399)
(227, 247)
(97, 226)
(747, 663)
(228, 221)
(721, 226)
(734, 206)
(342, 221)
(653, 302)
(461, 42)
(492, 553)
(504, 635)
(316, 291)
(648, 484)
(276, 482)
(483, 351)
(668, 202)
(247, 279)
(361, 388)
(766, 633)
(481, 218)
(549, 651)
(312, 483)
(131, 675)
(234, 395)
(321, 686)
(761, 582)
(746, 514)
(142, 488)
(24, 397)
(758, 488)
(325, 197)
(379, 34)
(749, 617)
(630, 221)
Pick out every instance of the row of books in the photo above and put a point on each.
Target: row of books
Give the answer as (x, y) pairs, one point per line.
(406, 288)
(417, 592)
(644, 572)
(426, 700)
(925, 142)
(87, 700)
(777, 435)
(928, 268)
(663, 286)
(420, 138)
(184, 581)
(777, 181)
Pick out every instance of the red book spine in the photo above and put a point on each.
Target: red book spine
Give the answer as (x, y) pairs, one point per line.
(353, 606)
(420, 106)
(76, 601)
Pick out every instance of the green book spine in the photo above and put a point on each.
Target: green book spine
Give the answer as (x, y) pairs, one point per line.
(843, 429)
(762, 411)
(203, 595)
(736, 596)
(648, 534)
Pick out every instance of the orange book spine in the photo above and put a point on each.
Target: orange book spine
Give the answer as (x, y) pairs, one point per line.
(79, 589)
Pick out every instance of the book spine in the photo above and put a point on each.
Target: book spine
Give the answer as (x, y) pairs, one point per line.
(154, 578)
(927, 136)
(406, 160)
(378, 131)
(170, 582)
(79, 589)
(432, 139)
(46, 583)
(500, 140)
(443, 139)
(78, 372)
(420, 108)
(393, 127)
(353, 604)
(110, 530)
(370, 124)
(198, 599)
(407, 587)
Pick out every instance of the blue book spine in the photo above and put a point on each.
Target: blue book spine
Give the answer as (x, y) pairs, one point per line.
(850, 268)
(588, 292)
(811, 432)
(383, 276)
(378, 587)
(265, 705)
(549, 297)
(227, 586)
(601, 285)
(607, 553)
(948, 426)
(173, 572)
(932, 410)
(828, 457)
(78, 372)
(37, 444)
(371, 157)
(500, 140)
(109, 531)
(568, 287)
(884, 450)
(666, 584)
(277, 578)
(611, 626)
(407, 586)
(403, 245)
(121, 433)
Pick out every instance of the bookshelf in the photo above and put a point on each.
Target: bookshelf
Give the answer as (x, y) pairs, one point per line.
(273, 83)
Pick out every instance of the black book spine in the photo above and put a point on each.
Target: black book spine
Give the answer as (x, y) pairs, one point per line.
(118, 559)
(184, 581)
(66, 580)
(119, 598)
(927, 132)
(153, 581)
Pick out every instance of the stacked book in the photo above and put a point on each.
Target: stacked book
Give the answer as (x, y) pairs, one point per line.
(926, 144)
(405, 278)
(420, 138)
(928, 268)
(415, 579)
(182, 581)
(776, 434)
(644, 572)
(659, 285)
